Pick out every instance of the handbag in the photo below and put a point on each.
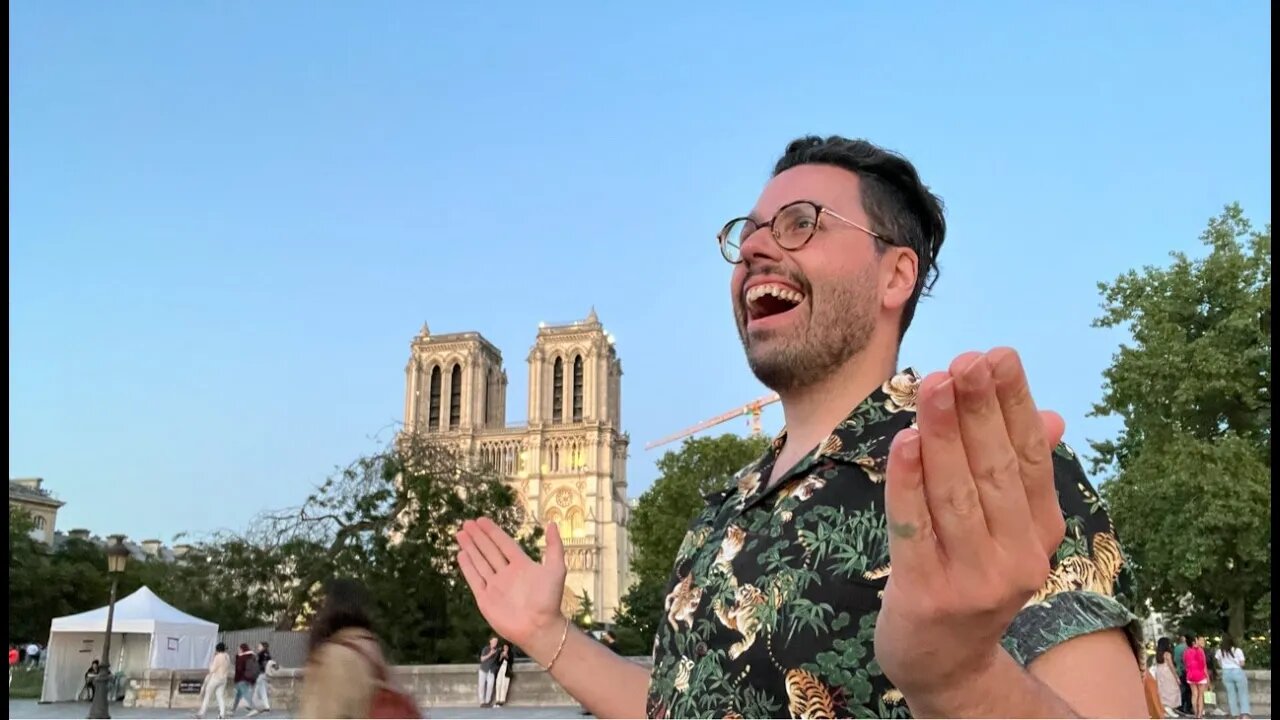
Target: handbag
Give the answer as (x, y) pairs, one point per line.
(1210, 697)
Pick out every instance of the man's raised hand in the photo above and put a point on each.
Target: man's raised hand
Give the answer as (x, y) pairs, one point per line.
(519, 598)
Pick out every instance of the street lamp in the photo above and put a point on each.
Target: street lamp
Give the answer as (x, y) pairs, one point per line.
(117, 557)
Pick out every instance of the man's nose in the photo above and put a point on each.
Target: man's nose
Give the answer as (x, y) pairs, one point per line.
(760, 246)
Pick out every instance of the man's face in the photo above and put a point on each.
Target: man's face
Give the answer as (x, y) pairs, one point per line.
(803, 313)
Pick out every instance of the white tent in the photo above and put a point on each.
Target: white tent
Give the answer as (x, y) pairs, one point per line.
(146, 633)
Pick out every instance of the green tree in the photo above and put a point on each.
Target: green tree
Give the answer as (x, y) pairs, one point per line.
(389, 520)
(1190, 472)
(662, 515)
(30, 574)
(585, 617)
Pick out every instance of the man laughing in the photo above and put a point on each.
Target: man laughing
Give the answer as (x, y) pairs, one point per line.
(905, 546)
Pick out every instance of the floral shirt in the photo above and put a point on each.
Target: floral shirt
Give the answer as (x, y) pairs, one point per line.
(772, 608)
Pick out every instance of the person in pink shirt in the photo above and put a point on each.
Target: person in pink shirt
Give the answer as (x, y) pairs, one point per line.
(1197, 674)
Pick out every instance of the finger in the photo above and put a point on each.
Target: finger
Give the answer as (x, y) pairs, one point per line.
(913, 549)
(554, 557)
(475, 580)
(1054, 427)
(1033, 438)
(509, 548)
(468, 545)
(992, 461)
(491, 553)
(954, 505)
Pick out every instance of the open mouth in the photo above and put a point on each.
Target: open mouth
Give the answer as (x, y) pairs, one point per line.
(771, 299)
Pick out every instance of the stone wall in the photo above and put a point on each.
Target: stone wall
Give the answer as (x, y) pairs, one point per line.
(455, 686)
(432, 685)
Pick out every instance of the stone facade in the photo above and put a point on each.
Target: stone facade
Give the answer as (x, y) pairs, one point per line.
(30, 495)
(567, 463)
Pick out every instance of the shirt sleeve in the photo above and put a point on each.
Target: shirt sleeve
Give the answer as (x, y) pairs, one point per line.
(1089, 583)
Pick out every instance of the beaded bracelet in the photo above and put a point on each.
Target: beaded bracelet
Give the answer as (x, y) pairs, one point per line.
(563, 636)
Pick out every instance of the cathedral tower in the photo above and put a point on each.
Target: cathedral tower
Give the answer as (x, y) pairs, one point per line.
(454, 382)
(567, 464)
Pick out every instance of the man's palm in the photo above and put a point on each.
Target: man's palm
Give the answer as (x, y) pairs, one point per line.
(516, 595)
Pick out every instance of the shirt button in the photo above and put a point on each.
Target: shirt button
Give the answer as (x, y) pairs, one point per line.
(701, 650)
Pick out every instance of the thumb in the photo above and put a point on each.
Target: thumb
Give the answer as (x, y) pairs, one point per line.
(555, 547)
(1054, 427)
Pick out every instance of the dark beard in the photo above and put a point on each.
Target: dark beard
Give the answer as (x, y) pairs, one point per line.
(840, 327)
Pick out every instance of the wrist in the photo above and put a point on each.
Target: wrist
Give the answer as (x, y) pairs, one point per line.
(546, 637)
(945, 693)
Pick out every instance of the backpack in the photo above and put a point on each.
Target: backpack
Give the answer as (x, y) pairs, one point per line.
(388, 703)
(251, 669)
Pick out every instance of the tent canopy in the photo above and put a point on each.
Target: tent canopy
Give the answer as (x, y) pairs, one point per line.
(141, 612)
(146, 633)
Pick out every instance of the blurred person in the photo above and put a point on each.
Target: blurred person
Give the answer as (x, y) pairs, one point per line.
(262, 686)
(1197, 673)
(215, 682)
(246, 677)
(346, 674)
(488, 672)
(1166, 674)
(90, 689)
(1231, 659)
(502, 684)
(1179, 662)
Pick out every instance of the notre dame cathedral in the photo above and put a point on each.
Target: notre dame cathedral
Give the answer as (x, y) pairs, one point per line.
(568, 463)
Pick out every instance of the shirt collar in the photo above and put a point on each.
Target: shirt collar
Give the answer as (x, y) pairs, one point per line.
(846, 444)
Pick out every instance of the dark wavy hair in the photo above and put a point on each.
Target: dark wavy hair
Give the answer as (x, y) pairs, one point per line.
(346, 605)
(900, 207)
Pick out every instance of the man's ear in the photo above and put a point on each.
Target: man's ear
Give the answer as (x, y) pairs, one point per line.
(899, 271)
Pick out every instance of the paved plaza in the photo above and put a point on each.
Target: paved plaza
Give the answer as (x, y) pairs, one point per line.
(33, 710)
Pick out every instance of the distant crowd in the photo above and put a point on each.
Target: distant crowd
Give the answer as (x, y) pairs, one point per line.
(29, 655)
(1182, 676)
(248, 673)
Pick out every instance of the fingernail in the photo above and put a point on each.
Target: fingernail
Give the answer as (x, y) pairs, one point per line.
(910, 445)
(978, 368)
(944, 396)
(1004, 367)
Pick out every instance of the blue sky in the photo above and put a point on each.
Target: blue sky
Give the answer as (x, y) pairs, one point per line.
(227, 220)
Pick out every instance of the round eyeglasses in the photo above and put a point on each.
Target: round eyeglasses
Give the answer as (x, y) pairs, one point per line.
(792, 226)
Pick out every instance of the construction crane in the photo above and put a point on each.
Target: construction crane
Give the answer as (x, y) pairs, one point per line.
(751, 409)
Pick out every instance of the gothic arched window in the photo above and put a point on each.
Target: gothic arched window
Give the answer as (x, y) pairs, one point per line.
(455, 397)
(557, 391)
(577, 389)
(433, 410)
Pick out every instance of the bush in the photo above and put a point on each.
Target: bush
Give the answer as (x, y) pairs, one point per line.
(1257, 652)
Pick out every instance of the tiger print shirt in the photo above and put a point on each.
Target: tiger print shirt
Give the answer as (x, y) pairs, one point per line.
(772, 608)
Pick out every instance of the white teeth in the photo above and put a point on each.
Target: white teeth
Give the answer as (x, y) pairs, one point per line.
(779, 291)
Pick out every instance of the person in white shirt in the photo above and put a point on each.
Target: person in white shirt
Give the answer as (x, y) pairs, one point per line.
(1231, 659)
(216, 681)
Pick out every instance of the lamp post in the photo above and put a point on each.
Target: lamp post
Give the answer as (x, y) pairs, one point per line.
(117, 557)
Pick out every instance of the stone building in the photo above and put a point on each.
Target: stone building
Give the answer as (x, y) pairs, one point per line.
(30, 495)
(567, 463)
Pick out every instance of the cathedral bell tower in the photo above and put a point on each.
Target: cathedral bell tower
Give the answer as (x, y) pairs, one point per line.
(454, 382)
